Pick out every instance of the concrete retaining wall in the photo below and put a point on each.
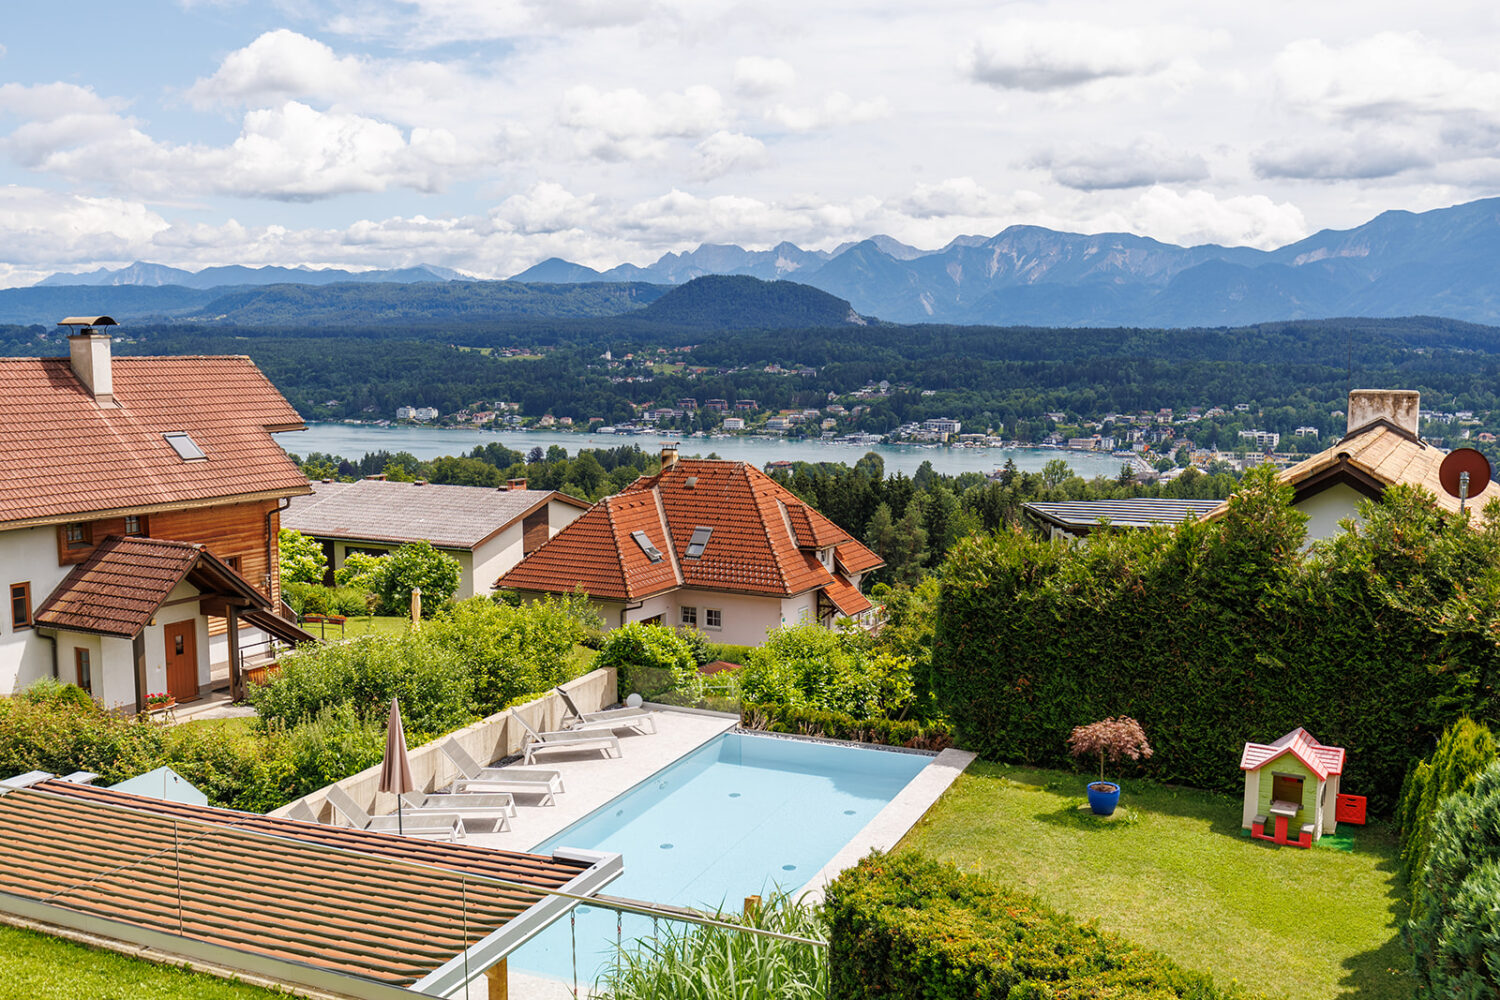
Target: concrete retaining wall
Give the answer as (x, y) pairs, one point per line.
(487, 740)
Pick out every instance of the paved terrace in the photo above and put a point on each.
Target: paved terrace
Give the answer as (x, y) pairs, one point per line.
(590, 779)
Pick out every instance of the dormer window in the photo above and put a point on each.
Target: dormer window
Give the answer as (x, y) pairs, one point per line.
(698, 542)
(187, 449)
(133, 525)
(652, 552)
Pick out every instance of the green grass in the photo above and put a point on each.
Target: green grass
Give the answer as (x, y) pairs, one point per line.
(1176, 875)
(363, 625)
(40, 967)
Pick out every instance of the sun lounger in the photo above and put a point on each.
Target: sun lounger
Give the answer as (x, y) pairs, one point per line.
(498, 806)
(642, 720)
(300, 810)
(414, 824)
(566, 739)
(474, 777)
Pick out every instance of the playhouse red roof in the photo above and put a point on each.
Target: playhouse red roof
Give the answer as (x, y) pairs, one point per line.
(1322, 761)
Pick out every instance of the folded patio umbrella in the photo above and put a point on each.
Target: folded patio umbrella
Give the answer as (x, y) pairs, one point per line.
(395, 768)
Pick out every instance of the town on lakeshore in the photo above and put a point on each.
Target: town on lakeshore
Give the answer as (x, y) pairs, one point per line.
(714, 501)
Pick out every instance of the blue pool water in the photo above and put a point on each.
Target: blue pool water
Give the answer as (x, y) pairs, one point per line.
(740, 815)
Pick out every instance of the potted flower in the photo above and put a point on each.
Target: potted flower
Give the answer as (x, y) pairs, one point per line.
(159, 702)
(1114, 739)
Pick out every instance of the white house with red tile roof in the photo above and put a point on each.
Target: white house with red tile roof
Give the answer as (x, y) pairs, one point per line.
(138, 517)
(487, 530)
(720, 546)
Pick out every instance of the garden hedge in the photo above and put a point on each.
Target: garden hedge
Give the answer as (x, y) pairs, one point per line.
(1216, 634)
(1465, 750)
(777, 718)
(903, 927)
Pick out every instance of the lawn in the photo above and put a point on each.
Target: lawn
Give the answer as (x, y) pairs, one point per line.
(40, 967)
(363, 625)
(1175, 874)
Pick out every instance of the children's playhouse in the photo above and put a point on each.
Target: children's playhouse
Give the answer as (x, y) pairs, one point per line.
(1292, 789)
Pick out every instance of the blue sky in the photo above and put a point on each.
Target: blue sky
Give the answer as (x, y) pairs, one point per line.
(486, 135)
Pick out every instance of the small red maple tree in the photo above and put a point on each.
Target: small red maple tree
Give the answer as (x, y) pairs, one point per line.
(1113, 738)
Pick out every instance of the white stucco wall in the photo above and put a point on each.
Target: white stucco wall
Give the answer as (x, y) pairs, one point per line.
(1324, 510)
(494, 558)
(746, 619)
(800, 610)
(27, 555)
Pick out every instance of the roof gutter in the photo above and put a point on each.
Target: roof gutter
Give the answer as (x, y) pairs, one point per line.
(451, 978)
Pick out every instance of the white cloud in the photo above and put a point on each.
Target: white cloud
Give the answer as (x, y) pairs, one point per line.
(45, 227)
(1149, 159)
(837, 109)
(726, 152)
(957, 196)
(546, 208)
(55, 100)
(1193, 217)
(1384, 76)
(625, 124)
(1363, 156)
(1054, 55)
(761, 76)
(278, 65)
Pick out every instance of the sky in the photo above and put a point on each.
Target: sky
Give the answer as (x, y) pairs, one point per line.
(488, 135)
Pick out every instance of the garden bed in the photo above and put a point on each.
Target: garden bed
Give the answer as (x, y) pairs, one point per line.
(1176, 875)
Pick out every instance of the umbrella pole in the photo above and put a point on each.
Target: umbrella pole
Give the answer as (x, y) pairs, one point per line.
(400, 827)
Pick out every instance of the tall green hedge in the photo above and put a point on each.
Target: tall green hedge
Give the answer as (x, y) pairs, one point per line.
(902, 927)
(1465, 750)
(1216, 634)
(1455, 927)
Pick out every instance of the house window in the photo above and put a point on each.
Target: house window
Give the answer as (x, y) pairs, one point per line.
(78, 535)
(85, 669)
(713, 618)
(133, 524)
(652, 552)
(233, 562)
(689, 616)
(698, 542)
(20, 605)
(804, 615)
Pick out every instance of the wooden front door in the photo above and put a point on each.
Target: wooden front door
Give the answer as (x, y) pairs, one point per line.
(182, 659)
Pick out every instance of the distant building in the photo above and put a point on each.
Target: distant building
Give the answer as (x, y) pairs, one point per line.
(734, 423)
(942, 425)
(1306, 432)
(1267, 440)
(746, 404)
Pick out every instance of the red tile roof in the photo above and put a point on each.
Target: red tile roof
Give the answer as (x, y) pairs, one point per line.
(846, 597)
(752, 548)
(124, 582)
(1321, 760)
(66, 455)
(377, 906)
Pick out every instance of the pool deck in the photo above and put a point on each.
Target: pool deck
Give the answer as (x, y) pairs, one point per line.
(590, 779)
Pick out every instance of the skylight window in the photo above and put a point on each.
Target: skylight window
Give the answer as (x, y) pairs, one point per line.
(187, 449)
(652, 552)
(698, 542)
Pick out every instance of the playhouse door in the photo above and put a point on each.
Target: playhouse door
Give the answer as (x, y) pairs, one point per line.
(182, 659)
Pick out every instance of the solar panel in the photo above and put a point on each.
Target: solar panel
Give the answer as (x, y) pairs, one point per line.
(698, 542)
(187, 449)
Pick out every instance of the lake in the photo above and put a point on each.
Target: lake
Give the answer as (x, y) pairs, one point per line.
(355, 440)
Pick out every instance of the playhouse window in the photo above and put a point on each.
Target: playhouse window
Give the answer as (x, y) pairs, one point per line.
(1286, 788)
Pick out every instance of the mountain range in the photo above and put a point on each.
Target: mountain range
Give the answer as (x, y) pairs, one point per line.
(1445, 262)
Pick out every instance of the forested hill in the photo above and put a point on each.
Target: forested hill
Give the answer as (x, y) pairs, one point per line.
(740, 302)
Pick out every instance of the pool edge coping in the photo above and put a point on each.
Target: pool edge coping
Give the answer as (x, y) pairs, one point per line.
(894, 821)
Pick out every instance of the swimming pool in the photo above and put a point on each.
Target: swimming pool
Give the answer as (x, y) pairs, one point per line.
(743, 814)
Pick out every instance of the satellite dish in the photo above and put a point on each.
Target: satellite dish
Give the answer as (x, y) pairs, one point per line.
(1450, 473)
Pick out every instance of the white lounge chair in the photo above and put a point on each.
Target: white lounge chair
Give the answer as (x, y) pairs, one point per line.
(566, 739)
(301, 811)
(498, 806)
(473, 777)
(415, 824)
(642, 720)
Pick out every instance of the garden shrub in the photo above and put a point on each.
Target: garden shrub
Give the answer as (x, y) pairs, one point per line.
(809, 665)
(728, 652)
(360, 570)
(302, 558)
(316, 599)
(365, 673)
(802, 721)
(1216, 634)
(1455, 927)
(61, 738)
(334, 745)
(51, 691)
(651, 659)
(511, 652)
(902, 927)
(1465, 750)
(417, 565)
(715, 963)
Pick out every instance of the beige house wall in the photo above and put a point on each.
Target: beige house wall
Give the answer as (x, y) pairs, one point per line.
(1324, 510)
(27, 555)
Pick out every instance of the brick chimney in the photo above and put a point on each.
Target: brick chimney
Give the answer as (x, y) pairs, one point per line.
(1399, 406)
(88, 353)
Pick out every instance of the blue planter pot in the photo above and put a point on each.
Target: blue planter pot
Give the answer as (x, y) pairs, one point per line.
(1103, 797)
